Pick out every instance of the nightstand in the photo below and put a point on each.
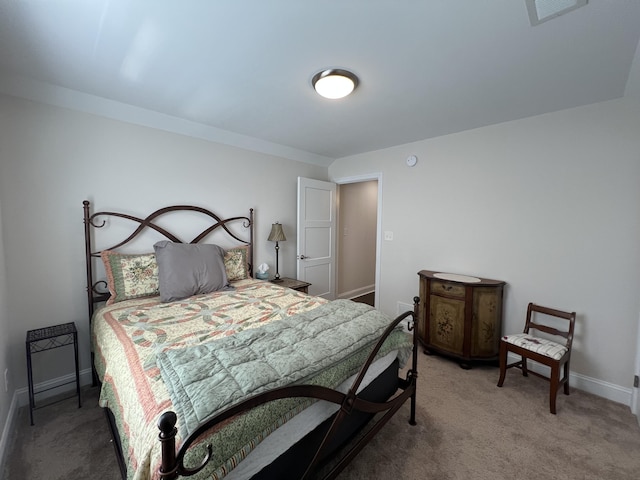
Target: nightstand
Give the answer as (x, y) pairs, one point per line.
(292, 283)
(47, 338)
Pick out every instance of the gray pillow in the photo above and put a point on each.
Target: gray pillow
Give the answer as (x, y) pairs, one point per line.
(186, 269)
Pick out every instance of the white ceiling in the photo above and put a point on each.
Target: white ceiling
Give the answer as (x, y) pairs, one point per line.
(239, 71)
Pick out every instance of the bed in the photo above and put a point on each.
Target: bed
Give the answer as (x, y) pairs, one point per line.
(208, 373)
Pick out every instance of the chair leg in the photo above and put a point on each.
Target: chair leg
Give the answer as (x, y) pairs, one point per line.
(566, 376)
(503, 362)
(525, 371)
(554, 380)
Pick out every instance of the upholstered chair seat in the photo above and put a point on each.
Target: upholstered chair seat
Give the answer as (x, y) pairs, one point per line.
(542, 346)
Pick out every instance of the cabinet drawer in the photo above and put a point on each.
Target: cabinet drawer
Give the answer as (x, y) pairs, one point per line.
(447, 288)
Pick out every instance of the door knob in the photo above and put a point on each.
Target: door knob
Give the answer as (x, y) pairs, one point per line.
(301, 257)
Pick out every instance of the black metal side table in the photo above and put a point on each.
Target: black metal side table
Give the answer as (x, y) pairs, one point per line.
(48, 338)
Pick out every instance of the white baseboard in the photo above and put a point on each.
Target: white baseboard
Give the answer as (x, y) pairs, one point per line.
(357, 292)
(610, 391)
(53, 387)
(8, 430)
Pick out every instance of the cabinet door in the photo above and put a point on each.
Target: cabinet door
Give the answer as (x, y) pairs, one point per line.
(446, 324)
(487, 324)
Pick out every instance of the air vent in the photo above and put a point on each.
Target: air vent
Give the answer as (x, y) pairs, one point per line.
(543, 10)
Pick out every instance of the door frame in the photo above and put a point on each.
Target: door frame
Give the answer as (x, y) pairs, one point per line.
(366, 178)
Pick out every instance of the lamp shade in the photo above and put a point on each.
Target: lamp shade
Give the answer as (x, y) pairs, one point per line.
(277, 234)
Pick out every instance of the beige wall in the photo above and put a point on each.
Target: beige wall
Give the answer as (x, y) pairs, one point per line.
(549, 204)
(52, 159)
(357, 231)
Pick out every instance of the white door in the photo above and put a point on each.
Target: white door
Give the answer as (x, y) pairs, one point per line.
(317, 236)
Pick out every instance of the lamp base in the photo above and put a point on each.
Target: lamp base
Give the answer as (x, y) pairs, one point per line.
(276, 280)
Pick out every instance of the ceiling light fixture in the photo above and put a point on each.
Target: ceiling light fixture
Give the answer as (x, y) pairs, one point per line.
(334, 83)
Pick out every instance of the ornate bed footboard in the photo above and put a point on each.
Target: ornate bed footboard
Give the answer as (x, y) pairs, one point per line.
(173, 466)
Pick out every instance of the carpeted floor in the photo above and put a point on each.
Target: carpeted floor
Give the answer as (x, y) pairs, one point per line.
(467, 429)
(66, 442)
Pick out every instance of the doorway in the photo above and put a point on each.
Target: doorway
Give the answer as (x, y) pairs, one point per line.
(358, 232)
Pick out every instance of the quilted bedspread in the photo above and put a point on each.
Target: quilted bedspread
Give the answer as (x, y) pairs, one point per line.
(134, 338)
(204, 379)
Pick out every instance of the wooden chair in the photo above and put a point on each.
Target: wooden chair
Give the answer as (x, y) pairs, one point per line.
(553, 353)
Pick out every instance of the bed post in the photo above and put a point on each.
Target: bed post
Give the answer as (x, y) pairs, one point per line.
(87, 253)
(167, 436)
(414, 362)
(251, 251)
(88, 263)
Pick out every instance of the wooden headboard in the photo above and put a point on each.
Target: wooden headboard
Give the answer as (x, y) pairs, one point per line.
(97, 289)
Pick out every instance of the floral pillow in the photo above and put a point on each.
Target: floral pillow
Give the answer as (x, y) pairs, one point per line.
(235, 263)
(130, 276)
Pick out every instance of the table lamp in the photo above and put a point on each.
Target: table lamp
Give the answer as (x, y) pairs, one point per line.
(277, 235)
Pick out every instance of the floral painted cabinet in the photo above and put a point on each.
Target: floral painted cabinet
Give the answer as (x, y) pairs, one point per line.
(460, 316)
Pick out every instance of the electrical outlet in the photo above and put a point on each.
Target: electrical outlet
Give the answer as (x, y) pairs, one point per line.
(401, 308)
(6, 380)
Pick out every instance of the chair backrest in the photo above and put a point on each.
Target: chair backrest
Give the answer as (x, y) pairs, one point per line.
(537, 322)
